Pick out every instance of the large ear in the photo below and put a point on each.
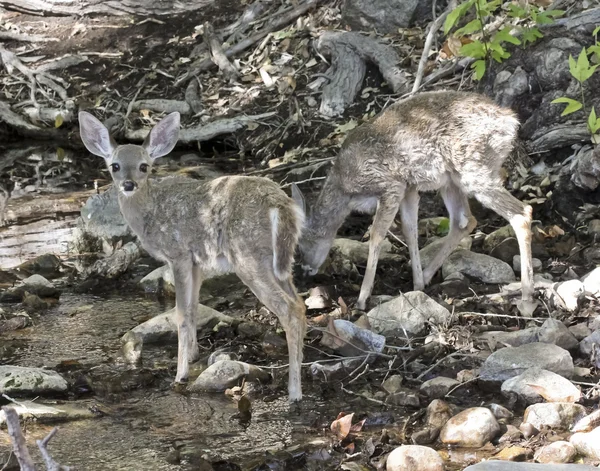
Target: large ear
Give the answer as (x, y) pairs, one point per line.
(95, 136)
(298, 197)
(163, 136)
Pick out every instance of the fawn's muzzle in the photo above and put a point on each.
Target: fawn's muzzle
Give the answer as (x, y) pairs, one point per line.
(129, 185)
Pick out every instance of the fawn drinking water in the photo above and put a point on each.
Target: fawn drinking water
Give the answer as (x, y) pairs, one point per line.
(454, 142)
(245, 225)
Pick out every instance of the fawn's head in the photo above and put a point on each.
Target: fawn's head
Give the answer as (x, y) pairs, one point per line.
(313, 246)
(129, 165)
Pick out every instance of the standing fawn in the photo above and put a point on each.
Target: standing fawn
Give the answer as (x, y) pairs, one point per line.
(244, 225)
(450, 141)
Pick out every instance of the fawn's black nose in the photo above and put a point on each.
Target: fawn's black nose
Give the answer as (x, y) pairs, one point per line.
(128, 185)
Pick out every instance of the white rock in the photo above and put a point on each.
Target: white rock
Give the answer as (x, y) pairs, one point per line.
(43, 413)
(414, 458)
(557, 415)
(586, 346)
(407, 315)
(534, 385)
(556, 452)
(497, 465)
(569, 293)
(226, 373)
(554, 331)
(506, 363)
(479, 266)
(587, 444)
(470, 428)
(15, 380)
(152, 281)
(591, 282)
(351, 340)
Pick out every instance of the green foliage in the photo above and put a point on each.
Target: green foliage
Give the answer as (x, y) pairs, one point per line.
(572, 105)
(493, 46)
(581, 70)
(443, 227)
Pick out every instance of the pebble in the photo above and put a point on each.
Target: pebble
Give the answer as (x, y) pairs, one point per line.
(225, 374)
(479, 266)
(414, 458)
(393, 384)
(554, 331)
(556, 415)
(557, 452)
(437, 388)
(535, 384)
(471, 428)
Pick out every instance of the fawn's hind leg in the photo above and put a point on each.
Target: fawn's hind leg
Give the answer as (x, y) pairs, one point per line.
(194, 351)
(281, 298)
(387, 208)
(462, 224)
(409, 214)
(185, 317)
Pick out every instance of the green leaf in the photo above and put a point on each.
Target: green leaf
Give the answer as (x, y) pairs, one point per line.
(60, 154)
(498, 52)
(456, 15)
(546, 17)
(504, 35)
(581, 69)
(470, 28)
(443, 227)
(479, 67)
(58, 121)
(487, 8)
(572, 105)
(476, 50)
(595, 49)
(593, 122)
(596, 31)
(531, 35)
(515, 11)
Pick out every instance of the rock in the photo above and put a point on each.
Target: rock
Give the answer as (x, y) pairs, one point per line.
(393, 384)
(428, 252)
(534, 385)
(17, 380)
(414, 458)
(591, 282)
(159, 279)
(500, 412)
(250, 330)
(568, 294)
(226, 373)
(511, 435)
(587, 444)
(513, 453)
(428, 226)
(404, 397)
(33, 303)
(346, 253)
(14, 323)
(383, 15)
(425, 436)
(479, 266)
(471, 428)
(528, 430)
(438, 413)
(351, 340)
(554, 331)
(516, 466)
(557, 452)
(48, 414)
(37, 284)
(437, 388)
(594, 227)
(586, 346)
(163, 326)
(557, 415)
(509, 362)
(220, 355)
(536, 263)
(407, 315)
(497, 237)
(334, 370)
(514, 339)
(591, 255)
(132, 349)
(580, 331)
(47, 265)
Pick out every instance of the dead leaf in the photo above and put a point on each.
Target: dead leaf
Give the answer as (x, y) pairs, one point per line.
(341, 426)
(357, 427)
(553, 396)
(343, 306)
(331, 337)
(555, 231)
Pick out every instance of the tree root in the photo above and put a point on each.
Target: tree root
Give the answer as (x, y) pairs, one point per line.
(217, 55)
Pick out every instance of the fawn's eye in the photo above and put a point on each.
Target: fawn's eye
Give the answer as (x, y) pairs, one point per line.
(144, 168)
(115, 167)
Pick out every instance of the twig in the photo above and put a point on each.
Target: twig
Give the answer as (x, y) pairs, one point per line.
(437, 363)
(435, 25)
(217, 54)
(18, 440)
(313, 179)
(460, 385)
(370, 399)
(51, 465)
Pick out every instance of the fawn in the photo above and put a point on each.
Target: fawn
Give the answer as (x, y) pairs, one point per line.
(455, 142)
(245, 225)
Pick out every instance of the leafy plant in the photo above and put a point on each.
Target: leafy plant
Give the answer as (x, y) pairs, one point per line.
(582, 70)
(485, 46)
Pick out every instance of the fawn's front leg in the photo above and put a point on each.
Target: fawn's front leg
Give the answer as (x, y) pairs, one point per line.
(185, 317)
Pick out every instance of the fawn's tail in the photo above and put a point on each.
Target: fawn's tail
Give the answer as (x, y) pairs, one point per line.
(286, 226)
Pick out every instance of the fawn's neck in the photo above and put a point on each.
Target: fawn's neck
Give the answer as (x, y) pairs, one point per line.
(331, 209)
(136, 208)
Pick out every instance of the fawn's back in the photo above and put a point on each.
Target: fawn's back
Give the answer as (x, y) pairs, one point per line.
(426, 139)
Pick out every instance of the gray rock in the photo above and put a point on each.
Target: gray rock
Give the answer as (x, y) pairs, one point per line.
(554, 331)
(514, 466)
(580, 331)
(346, 253)
(470, 428)
(404, 397)
(591, 282)
(514, 339)
(352, 340)
(14, 323)
(587, 444)
(393, 384)
(509, 362)
(437, 388)
(557, 452)
(556, 415)
(48, 414)
(384, 15)
(16, 380)
(534, 385)
(48, 265)
(428, 252)
(438, 413)
(220, 355)
(161, 278)
(226, 373)
(479, 266)
(414, 458)
(334, 370)
(536, 263)
(586, 346)
(594, 227)
(500, 412)
(407, 315)
(37, 284)
(501, 237)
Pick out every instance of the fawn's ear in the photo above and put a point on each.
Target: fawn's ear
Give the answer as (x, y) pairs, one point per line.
(163, 136)
(95, 136)
(298, 197)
